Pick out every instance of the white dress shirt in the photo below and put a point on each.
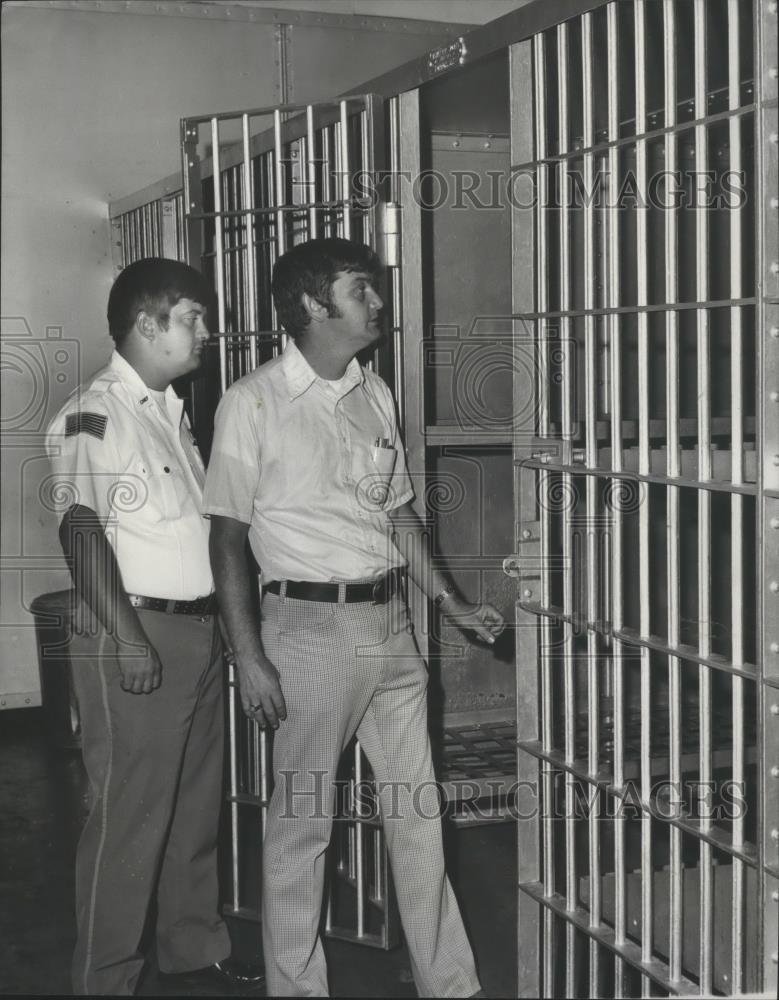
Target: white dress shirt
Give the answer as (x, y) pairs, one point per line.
(294, 457)
(113, 450)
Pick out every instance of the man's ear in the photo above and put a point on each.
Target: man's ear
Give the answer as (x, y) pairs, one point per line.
(314, 308)
(146, 325)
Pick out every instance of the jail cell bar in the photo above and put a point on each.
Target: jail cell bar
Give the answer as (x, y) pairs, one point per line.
(154, 228)
(650, 493)
(255, 184)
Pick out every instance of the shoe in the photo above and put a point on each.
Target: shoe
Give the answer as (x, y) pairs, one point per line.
(244, 974)
(226, 977)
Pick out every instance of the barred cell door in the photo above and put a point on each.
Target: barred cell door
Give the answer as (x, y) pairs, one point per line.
(644, 203)
(257, 182)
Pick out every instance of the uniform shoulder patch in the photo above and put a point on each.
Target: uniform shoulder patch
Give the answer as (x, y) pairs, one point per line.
(86, 423)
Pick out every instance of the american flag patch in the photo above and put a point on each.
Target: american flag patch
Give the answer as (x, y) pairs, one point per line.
(86, 423)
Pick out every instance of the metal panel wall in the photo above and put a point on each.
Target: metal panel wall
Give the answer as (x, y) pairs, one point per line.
(649, 491)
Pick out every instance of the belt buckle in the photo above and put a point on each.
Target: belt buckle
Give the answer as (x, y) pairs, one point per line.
(383, 589)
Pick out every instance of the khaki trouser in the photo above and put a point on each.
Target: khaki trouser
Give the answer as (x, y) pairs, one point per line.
(349, 668)
(154, 762)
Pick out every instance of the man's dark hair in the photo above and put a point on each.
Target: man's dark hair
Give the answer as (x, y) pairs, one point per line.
(312, 267)
(155, 285)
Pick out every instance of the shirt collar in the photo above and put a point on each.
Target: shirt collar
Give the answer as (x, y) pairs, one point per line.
(133, 381)
(301, 376)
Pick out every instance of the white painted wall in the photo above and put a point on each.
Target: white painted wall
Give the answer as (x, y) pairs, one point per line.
(90, 108)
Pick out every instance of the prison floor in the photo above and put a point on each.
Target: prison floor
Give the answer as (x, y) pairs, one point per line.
(42, 806)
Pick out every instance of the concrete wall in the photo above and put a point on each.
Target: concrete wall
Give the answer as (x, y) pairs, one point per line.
(91, 104)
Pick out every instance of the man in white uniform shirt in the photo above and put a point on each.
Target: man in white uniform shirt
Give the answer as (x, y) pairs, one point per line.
(307, 463)
(150, 700)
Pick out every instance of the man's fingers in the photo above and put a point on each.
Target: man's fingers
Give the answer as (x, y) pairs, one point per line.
(269, 712)
(277, 700)
(484, 633)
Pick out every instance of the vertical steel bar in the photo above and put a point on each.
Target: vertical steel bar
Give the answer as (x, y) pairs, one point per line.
(133, 215)
(344, 171)
(180, 229)
(155, 229)
(704, 497)
(642, 297)
(673, 469)
(327, 178)
(278, 185)
(766, 525)
(227, 205)
(351, 827)
(570, 492)
(232, 688)
(395, 276)
(143, 215)
(219, 251)
(613, 296)
(542, 388)
(125, 240)
(378, 865)
(736, 500)
(523, 265)
(569, 688)
(256, 736)
(279, 244)
(542, 202)
(313, 230)
(251, 264)
(591, 461)
(360, 841)
(148, 228)
(368, 234)
(264, 780)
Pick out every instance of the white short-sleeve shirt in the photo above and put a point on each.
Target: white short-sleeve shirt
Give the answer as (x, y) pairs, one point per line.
(296, 458)
(113, 450)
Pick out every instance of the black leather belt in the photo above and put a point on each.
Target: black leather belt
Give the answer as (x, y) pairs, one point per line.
(378, 592)
(198, 606)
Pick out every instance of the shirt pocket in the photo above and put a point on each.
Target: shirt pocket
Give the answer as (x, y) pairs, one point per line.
(162, 480)
(373, 471)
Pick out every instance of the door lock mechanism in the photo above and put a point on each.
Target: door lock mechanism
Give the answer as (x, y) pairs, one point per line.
(511, 566)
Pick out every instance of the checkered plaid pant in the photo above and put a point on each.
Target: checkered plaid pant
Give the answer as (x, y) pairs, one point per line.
(349, 668)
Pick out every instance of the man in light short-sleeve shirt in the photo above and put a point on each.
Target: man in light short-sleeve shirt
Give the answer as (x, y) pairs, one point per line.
(129, 477)
(307, 463)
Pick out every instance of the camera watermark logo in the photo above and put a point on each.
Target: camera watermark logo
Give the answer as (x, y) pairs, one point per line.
(36, 371)
(487, 380)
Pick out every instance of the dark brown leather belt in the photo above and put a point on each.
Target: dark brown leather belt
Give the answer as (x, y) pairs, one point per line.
(198, 606)
(378, 592)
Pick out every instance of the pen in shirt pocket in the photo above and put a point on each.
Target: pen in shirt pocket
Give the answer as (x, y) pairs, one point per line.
(383, 455)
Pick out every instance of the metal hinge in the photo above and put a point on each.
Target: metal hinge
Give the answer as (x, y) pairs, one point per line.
(389, 232)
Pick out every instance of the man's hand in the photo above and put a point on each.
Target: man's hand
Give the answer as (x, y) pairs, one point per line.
(261, 694)
(140, 668)
(483, 619)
